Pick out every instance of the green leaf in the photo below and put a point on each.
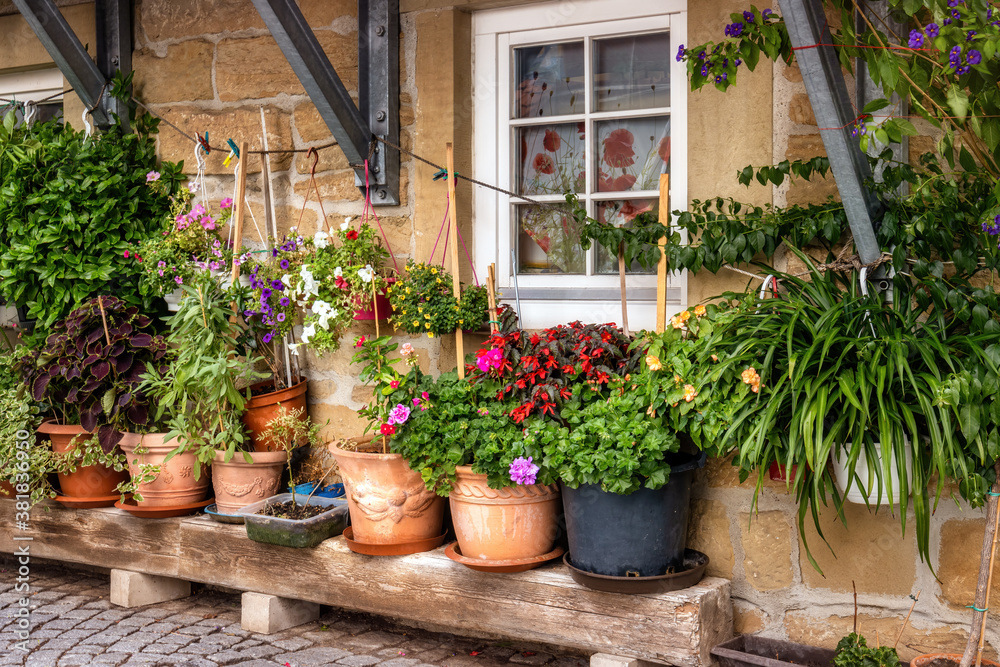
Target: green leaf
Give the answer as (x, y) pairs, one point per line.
(958, 101)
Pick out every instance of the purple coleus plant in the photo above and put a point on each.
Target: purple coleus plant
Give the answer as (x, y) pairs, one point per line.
(91, 364)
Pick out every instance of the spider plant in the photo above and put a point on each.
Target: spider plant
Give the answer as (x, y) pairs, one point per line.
(842, 371)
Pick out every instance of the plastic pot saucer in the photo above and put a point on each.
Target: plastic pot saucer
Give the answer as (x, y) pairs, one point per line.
(693, 570)
(453, 552)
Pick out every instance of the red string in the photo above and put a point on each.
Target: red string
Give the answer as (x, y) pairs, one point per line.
(444, 225)
(371, 207)
(893, 47)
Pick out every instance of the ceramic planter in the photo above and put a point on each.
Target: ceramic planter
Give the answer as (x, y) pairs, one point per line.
(643, 534)
(388, 501)
(261, 409)
(869, 482)
(95, 481)
(174, 300)
(238, 483)
(175, 485)
(293, 533)
(378, 308)
(503, 524)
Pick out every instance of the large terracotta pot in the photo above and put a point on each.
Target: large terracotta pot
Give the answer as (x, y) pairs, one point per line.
(503, 524)
(388, 501)
(238, 483)
(95, 481)
(175, 484)
(260, 410)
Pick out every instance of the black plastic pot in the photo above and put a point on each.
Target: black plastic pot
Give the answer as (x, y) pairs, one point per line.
(642, 534)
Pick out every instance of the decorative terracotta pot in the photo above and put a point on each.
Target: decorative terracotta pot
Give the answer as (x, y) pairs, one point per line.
(175, 484)
(502, 524)
(238, 483)
(945, 660)
(388, 501)
(260, 410)
(95, 481)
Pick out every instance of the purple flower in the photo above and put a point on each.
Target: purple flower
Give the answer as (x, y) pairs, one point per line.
(947, 21)
(278, 285)
(523, 471)
(178, 280)
(916, 39)
(704, 70)
(974, 57)
(281, 317)
(267, 337)
(285, 301)
(249, 313)
(955, 56)
(954, 3)
(399, 414)
(748, 17)
(284, 264)
(734, 29)
(737, 62)
(964, 69)
(969, 35)
(152, 176)
(764, 14)
(265, 294)
(955, 15)
(680, 53)
(932, 30)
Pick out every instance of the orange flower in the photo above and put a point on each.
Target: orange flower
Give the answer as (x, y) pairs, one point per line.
(552, 141)
(618, 150)
(653, 363)
(689, 393)
(677, 323)
(752, 378)
(699, 310)
(543, 164)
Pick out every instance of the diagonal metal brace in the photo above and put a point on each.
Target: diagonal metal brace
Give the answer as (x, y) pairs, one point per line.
(353, 132)
(65, 48)
(810, 36)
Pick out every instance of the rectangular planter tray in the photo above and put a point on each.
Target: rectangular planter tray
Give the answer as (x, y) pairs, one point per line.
(291, 533)
(751, 650)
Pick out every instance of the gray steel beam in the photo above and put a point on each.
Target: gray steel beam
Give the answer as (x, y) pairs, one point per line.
(114, 45)
(807, 28)
(311, 65)
(378, 84)
(68, 53)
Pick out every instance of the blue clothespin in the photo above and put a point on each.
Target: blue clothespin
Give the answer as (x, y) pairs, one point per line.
(442, 174)
(232, 145)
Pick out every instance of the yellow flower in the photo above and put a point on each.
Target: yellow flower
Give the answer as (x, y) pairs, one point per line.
(430, 334)
(434, 271)
(684, 315)
(427, 325)
(438, 281)
(427, 316)
(699, 310)
(689, 393)
(676, 322)
(653, 363)
(416, 323)
(677, 379)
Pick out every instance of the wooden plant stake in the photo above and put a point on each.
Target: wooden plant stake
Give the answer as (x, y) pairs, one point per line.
(661, 269)
(621, 276)
(375, 306)
(104, 319)
(906, 620)
(491, 286)
(974, 647)
(456, 282)
(241, 189)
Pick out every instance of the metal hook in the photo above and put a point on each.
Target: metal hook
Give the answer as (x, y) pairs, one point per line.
(767, 281)
(30, 111)
(315, 155)
(199, 158)
(88, 129)
(864, 280)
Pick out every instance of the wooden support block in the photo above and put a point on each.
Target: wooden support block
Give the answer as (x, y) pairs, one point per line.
(135, 589)
(606, 660)
(267, 614)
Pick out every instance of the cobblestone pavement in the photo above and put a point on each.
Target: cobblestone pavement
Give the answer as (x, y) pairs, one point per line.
(74, 625)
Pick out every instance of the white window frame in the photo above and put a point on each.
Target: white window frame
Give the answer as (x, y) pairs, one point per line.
(549, 300)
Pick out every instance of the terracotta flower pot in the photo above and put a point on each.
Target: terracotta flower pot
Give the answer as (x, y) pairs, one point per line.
(238, 483)
(388, 501)
(95, 481)
(175, 484)
(945, 660)
(7, 490)
(260, 410)
(502, 524)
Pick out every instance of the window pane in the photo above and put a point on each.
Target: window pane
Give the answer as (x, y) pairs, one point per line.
(620, 213)
(549, 80)
(631, 154)
(551, 159)
(632, 72)
(548, 241)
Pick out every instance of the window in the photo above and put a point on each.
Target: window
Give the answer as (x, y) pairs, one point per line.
(34, 85)
(576, 96)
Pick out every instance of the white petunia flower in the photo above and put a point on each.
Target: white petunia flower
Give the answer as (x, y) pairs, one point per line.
(321, 240)
(347, 223)
(308, 331)
(193, 186)
(366, 274)
(338, 272)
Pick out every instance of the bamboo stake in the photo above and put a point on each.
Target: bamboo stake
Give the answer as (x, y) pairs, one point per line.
(241, 189)
(375, 306)
(985, 578)
(906, 620)
(453, 226)
(104, 319)
(621, 276)
(491, 286)
(661, 269)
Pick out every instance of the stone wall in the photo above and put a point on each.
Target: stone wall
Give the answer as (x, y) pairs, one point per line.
(209, 65)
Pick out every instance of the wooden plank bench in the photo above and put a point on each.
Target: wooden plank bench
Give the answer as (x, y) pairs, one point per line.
(426, 590)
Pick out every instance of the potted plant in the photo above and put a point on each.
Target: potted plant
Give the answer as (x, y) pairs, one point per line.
(71, 208)
(392, 511)
(424, 302)
(27, 473)
(465, 445)
(288, 519)
(187, 244)
(88, 371)
(197, 395)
